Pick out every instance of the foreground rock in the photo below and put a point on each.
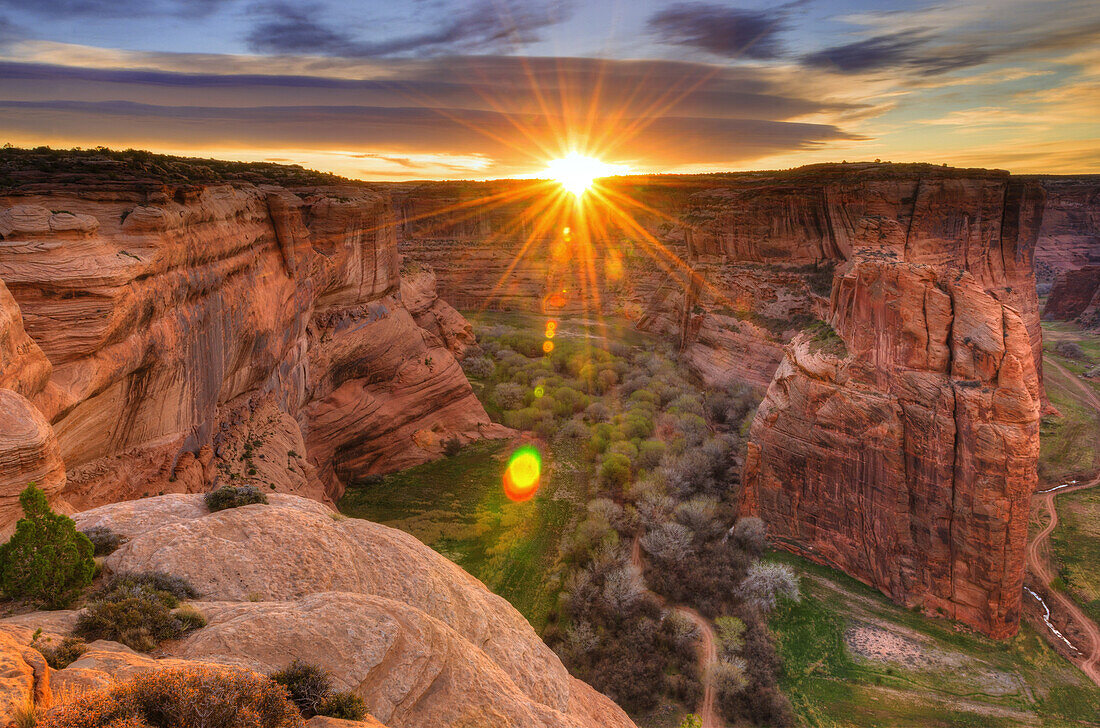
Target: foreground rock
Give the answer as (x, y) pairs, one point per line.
(902, 448)
(420, 640)
(177, 336)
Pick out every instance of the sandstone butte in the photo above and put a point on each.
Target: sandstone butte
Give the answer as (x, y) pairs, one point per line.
(421, 641)
(169, 338)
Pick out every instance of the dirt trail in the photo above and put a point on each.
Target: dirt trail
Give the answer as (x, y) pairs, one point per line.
(708, 648)
(1089, 662)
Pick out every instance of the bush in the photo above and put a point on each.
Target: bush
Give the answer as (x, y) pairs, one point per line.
(177, 586)
(731, 636)
(452, 446)
(522, 419)
(230, 496)
(47, 560)
(134, 611)
(308, 685)
(104, 540)
(573, 430)
(344, 705)
(183, 697)
(60, 655)
(1070, 350)
(479, 367)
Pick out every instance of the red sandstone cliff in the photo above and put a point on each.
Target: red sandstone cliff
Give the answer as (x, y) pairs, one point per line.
(181, 335)
(902, 449)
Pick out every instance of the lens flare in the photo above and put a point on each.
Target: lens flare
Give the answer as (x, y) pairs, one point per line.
(521, 477)
(547, 346)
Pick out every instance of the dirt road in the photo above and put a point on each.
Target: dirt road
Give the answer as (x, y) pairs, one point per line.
(1089, 662)
(708, 649)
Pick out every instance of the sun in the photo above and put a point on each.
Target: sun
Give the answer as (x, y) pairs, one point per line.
(576, 172)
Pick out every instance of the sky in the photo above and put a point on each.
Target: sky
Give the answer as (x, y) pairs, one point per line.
(475, 89)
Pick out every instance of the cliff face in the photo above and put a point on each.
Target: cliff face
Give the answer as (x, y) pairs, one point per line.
(178, 336)
(1067, 257)
(1070, 235)
(902, 448)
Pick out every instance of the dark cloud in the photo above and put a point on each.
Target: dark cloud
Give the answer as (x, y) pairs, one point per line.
(724, 31)
(300, 29)
(492, 83)
(913, 50)
(114, 8)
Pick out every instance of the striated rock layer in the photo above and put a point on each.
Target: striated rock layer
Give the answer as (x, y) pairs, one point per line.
(902, 448)
(174, 337)
(421, 641)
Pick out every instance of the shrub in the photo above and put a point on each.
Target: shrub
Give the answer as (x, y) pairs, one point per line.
(309, 686)
(522, 419)
(625, 448)
(184, 697)
(479, 367)
(134, 611)
(60, 655)
(766, 582)
(728, 676)
(452, 446)
(104, 540)
(230, 496)
(573, 430)
(160, 581)
(1070, 350)
(343, 705)
(47, 560)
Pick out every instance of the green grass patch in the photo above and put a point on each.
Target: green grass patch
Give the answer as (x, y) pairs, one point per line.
(961, 679)
(1076, 546)
(1067, 441)
(457, 506)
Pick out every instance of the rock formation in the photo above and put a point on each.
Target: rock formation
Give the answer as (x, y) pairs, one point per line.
(902, 448)
(1070, 235)
(175, 336)
(421, 641)
(1074, 296)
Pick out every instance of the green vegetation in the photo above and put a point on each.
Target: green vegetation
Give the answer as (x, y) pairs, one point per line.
(852, 659)
(137, 610)
(310, 689)
(233, 496)
(1068, 440)
(1076, 546)
(47, 560)
(176, 697)
(61, 654)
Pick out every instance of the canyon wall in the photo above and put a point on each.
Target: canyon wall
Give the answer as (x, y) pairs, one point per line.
(166, 337)
(1067, 257)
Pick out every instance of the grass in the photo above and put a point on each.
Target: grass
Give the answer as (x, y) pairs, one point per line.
(1076, 546)
(456, 505)
(961, 679)
(1067, 441)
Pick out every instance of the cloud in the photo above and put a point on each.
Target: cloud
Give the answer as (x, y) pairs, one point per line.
(296, 28)
(723, 31)
(114, 8)
(953, 37)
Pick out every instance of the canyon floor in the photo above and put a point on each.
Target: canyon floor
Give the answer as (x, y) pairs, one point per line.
(852, 657)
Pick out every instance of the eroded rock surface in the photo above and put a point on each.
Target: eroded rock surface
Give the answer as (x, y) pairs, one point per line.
(421, 641)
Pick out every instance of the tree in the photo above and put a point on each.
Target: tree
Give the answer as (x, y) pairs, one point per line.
(766, 582)
(691, 721)
(47, 559)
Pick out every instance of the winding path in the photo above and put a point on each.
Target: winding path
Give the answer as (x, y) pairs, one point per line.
(708, 648)
(1089, 662)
